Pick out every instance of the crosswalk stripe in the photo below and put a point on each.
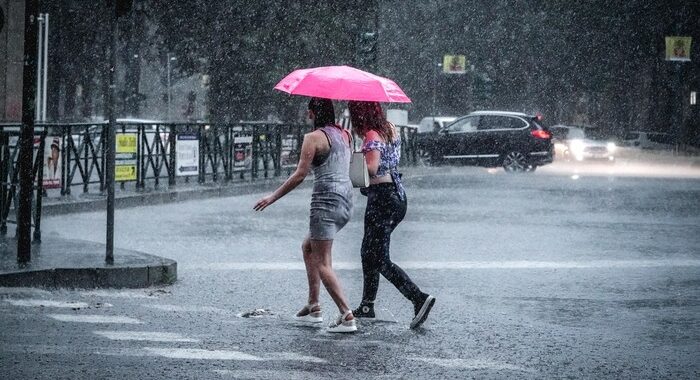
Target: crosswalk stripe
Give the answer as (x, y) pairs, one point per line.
(152, 336)
(471, 364)
(293, 356)
(46, 303)
(94, 318)
(186, 309)
(196, 353)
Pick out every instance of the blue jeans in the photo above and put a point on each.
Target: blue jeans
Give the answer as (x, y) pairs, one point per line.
(385, 210)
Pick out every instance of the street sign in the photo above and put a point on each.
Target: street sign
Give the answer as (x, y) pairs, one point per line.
(678, 48)
(125, 157)
(454, 64)
(187, 159)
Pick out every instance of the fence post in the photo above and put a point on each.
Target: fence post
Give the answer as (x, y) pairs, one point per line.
(39, 186)
(4, 172)
(202, 160)
(172, 141)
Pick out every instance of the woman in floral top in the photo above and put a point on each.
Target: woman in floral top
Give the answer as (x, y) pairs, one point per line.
(386, 208)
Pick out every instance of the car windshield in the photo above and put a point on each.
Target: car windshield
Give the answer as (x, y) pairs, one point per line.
(575, 133)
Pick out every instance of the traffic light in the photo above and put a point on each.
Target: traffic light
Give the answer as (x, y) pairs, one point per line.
(367, 49)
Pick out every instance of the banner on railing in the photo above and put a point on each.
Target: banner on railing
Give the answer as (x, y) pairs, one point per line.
(125, 157)
(52, 161)
(290, 154)
(242, 152)
(187, 158)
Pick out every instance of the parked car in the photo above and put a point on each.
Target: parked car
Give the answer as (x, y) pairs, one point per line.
(572, 143)
(434, 123)
(648, 140)
(515, 141)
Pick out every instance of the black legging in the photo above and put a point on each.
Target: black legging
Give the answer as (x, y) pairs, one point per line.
(385, 210)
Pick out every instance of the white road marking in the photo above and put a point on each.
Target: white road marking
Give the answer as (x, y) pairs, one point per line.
(292, 356)
(144, 336)
(474, 364)
(276, 266)
(267, 374)
(94, 318)
(195, 353)
(46, 303)
(186, 309)
(117, 294)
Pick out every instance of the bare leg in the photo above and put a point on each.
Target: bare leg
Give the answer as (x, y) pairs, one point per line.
(312, 274)
(322, 260)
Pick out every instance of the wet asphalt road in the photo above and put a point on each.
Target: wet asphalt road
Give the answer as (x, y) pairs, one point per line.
(564, 273)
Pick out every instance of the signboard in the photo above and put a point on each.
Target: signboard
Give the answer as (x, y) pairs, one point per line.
(290, 151)
(125, 157)
(678, 48)
(51, 162)
(454, 64)
(242, 152)
(187, 159)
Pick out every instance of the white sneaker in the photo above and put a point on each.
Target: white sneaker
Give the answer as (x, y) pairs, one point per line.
(342, 325)
(310, 314)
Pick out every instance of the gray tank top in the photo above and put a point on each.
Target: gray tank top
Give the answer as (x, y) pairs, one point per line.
(332, 175)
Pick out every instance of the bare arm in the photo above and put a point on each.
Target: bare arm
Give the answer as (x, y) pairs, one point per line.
(373, 156)
(308, 151)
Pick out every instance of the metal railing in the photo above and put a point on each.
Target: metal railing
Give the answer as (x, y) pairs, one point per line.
(226, 152)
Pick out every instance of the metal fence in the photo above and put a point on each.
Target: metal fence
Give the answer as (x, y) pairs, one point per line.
(225, 152)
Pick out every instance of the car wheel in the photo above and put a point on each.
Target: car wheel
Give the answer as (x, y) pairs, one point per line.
(515, 162)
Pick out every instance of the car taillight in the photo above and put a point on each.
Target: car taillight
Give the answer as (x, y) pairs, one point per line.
(541, 134)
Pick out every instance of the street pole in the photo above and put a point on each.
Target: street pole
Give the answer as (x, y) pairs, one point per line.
(169, 92)
(109, 151)
(26, 138)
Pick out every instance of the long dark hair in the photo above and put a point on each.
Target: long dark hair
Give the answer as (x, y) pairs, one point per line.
(324, 113)
(366, 116)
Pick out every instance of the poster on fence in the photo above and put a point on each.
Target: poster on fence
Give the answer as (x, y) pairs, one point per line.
(51, 162)
(125, 157)
(187, 158)
(242, 152)
(290, 151)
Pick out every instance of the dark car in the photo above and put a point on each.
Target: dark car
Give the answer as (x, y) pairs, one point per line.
(515, 141)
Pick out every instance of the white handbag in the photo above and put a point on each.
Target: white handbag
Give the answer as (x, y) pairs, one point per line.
(359, 175)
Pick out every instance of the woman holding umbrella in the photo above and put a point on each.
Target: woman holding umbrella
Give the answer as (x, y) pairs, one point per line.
(326, 151)
(386, 208)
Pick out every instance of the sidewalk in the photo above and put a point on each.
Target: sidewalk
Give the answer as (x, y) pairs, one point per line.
(65, 263)
(69, 263)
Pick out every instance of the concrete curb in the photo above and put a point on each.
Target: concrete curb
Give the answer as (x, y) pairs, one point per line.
(145, 198)
(60, 263)
(90, 278)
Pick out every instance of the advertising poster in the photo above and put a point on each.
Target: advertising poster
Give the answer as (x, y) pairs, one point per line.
(52, 161)
(187, 158)
(125, 157)
(242, 152)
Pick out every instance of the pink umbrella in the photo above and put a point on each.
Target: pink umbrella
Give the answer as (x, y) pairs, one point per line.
(342, 83)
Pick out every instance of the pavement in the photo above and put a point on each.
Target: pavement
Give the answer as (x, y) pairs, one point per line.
(75, 263)
(546, 275)
(71, 263)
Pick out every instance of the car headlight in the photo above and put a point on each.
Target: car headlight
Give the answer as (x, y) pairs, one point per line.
(611, 147)
(576, 147)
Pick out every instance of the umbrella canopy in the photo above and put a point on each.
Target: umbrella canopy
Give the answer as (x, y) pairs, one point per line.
(342, 83)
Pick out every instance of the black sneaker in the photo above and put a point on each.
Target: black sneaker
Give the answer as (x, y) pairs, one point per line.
(366, 310)
(422, 309)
